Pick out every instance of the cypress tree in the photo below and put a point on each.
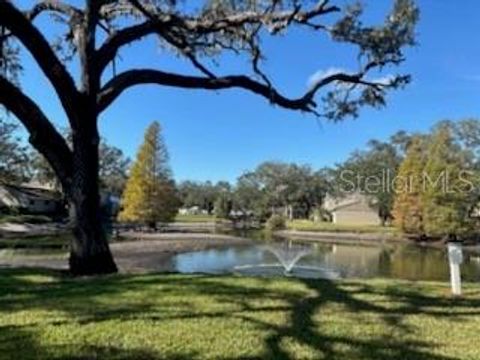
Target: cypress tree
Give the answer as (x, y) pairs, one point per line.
(150, 195)
(435, 198)
(446, 197)
(408, 209)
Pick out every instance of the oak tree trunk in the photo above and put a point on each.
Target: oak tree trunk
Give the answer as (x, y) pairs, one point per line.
(90, 253)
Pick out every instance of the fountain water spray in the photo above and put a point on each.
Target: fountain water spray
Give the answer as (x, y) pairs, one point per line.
(289, 255)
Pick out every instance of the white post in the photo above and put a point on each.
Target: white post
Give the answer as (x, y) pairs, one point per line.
(455, 258)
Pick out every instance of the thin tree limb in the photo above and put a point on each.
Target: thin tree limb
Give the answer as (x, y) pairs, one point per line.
(164, 23)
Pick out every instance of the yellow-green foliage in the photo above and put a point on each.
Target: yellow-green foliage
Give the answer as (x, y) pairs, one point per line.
(150, 194)
(408, 206)
(446, 197)
(433, 189)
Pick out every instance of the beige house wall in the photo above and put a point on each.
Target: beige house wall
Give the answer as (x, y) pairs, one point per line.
(353, 209)
(356, 217)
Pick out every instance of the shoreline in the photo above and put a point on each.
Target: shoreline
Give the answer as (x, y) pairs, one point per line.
(341, 236)
(141, 253)
(364, 238)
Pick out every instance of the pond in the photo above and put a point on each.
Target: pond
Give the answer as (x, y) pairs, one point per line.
(272, 256)
(352, 260)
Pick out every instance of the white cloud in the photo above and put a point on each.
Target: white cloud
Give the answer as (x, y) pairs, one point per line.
(320, 74)
(385, 80)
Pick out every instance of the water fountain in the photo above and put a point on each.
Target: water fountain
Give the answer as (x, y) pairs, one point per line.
(288, 255)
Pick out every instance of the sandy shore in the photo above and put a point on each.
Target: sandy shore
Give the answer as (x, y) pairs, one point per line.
(141, 252)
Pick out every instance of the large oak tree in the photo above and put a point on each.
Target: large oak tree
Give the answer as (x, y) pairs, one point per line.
(99, 30)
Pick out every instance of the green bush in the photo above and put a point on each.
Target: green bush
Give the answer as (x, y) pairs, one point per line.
(276, 222)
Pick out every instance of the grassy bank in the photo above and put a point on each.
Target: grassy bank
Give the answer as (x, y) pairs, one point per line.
(46, 316)
(36, 242)
(307, 225)
(195, 218)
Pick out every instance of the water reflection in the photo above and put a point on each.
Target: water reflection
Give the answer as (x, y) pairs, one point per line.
(398, 261)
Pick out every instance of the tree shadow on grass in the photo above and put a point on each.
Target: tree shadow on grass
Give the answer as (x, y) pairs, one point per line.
(22, 344)
(306, 304)
(305, 330)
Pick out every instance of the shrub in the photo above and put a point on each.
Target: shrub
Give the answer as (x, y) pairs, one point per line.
(276, 222)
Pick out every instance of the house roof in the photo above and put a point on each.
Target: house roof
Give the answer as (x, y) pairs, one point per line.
(38, 193)
(37, 185)
(341, 202)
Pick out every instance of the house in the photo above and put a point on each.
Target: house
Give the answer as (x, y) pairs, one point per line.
(194, 210)
(352, 209)
(30, 199)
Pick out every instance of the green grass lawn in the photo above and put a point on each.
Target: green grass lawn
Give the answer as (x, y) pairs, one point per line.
(36, 242)
(195, 218)
(46, 316)
(307, 225)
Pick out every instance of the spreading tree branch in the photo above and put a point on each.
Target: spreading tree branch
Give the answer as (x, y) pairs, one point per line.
(115, 87)
(43, 135)
(22, 28)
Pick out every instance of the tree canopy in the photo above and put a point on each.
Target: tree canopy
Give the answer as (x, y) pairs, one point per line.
(200, 34)
(437, 191)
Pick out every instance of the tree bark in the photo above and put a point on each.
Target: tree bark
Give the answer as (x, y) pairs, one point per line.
(89, 253)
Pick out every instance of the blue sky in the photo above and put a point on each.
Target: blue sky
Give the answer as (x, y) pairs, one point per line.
(218, 136)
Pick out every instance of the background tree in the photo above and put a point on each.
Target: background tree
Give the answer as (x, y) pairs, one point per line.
(223, 202)
(467, 133)
(13, 156)
(190, 193)
(250, 198)
(41, 171)
(444, 180)
(408, 209)
(150, 195)
(447, 192)
(295, 190)
(223, 206)
(202, 194)
(306, 191)
(113, 168)
(95, 32)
